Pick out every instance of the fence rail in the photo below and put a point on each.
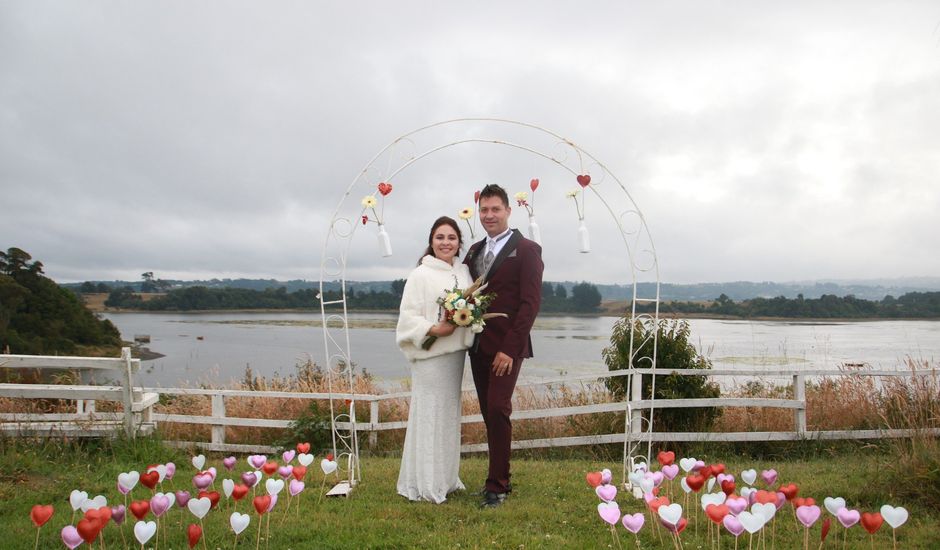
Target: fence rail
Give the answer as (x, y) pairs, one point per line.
(139, 402)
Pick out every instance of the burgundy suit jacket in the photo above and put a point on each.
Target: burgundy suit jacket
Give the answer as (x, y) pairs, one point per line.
(516, 279)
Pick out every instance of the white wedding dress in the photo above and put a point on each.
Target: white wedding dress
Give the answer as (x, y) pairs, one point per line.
(430, 462)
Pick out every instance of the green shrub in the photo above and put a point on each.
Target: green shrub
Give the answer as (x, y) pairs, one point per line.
(673, 351)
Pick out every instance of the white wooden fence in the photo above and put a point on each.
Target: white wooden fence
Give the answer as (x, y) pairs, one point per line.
(86, 421)
(141, 400)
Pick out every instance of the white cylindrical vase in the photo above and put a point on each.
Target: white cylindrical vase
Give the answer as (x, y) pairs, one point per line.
(584, 240)
(534, 232)
(385, 244)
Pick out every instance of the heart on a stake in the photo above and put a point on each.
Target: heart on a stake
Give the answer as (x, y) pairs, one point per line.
(213, 496)
(733, 526)
(239, 491)
(634, 522)
(88, 529)
(713, 498)
(127, 481)
(76, 498)
(834, 504)
(872, 522)
(269, 467)
(687, 464)
(609, 512)
(199, 506)
(229, 463)
(584, 180)
(534, 184)
(199, 461)
(304, 459)
(752, 522)
(768, 510)
(40, 514)
(789, 491)
(150, 479)
(666, 458)
(303, 448)
(299, 472)
(895, 517)
(295, 487)
(848, 517)
(717, 512)
(808, 515)
(239, 522)
(144, 531)
(606, 493)
(193, 533)
(735, 504)
(140, 508)
(262, 503)
(749, 476)
(328, 466)
(385, 188)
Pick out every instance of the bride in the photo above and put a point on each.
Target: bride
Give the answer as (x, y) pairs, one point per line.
(430, 461)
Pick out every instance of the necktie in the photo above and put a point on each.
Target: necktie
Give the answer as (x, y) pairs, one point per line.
(488, 260)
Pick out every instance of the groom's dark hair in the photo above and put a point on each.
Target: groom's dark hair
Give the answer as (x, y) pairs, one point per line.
(493, 190)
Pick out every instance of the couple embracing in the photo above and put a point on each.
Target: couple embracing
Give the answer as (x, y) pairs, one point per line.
(511, 265)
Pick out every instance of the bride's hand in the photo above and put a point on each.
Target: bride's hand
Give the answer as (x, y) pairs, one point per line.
(442, 329)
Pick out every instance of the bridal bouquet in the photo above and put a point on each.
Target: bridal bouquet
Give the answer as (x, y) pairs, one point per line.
(465, 308)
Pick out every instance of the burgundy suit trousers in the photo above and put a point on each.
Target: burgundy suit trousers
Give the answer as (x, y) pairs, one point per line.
(495, 396)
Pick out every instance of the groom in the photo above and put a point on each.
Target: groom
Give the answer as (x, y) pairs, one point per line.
(512, 266)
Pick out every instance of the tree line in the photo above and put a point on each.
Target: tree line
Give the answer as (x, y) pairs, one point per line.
(827, 306)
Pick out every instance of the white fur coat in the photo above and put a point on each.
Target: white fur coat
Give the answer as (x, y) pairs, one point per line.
(419, 310)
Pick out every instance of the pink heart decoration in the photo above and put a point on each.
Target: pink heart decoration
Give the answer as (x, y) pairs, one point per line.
(117, 514)
(634, 522)
(699, 464)
(723, 477)
(229, 463)
(257, 461)
(182, 497)
(609, 512)
(170, 470)
(848, 517)
(671, 471)
(808, 515)
(649, 497)
(159, 504)
(769, 476)
(250, 478)
(70, 537)
(212, 472)
(781, 500)
(658, 478)
(736, 504)
(606, 493)
(273, 502)
(295, 487)
(606, 476)
(285, 471)
(733, 526)
(288, 456)
(202, 480)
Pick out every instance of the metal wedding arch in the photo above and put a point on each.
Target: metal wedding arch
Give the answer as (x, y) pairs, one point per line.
(401, 154)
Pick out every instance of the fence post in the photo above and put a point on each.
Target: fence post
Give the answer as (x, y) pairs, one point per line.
(636, 394)
(799, 394)
(373, 420)
(126, 396)
(218, 411)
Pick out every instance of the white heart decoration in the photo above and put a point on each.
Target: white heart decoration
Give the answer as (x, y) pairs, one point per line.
(686, 464)
(895, 517)
(635, 478)
(766, 509)
(161, 471)
(128, 480)
(640, 467)
(199, 506)
(746, 492)
(713, 498)
(76, 498)
(199, 461)
(227, 487)
(749, 476)
(328, 466)
(685, 485)
(751, 522)
(94, 503)
(274, 486)
(710, 485)
(144, 531)
(671, 514)
(646, 485)
(239, 522)
(834, 504)
(171, 496)
(305, 459)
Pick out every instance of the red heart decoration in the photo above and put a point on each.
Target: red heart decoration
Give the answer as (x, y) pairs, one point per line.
(101, 516)
(88, 529)
(717, 512)
(797, 502)
(299, 472)
(680, 527)
(213, 496)
(825, 528)
(269, 467)
(329, 456)
(476, 197)
(365, 220)
(593, 479)
(534, 184)
(140, 508)
(303, 448)
(727, 487)
(872, 522)
(666, 458)
(789, 491)
(695, 482)
(262, 503)
(150, 479)
(385, 188)
(657, 502)
(194, 532)
(766, 497)
(239, 491)
(40, 514)
(706, 471)
(584, 180)
(718, 469)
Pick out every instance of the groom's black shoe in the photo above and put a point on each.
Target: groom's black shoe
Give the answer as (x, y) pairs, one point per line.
(492, 500)
(484, 490)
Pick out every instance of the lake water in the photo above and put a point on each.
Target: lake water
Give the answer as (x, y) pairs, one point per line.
(215, 348)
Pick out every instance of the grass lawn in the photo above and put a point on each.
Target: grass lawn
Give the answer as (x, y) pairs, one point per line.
(551, 507)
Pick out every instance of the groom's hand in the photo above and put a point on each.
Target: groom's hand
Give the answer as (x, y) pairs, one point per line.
(502, 364)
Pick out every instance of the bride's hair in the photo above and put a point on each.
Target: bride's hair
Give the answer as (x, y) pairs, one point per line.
(443, 220)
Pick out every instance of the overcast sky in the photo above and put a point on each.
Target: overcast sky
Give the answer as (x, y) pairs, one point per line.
(760, 140)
